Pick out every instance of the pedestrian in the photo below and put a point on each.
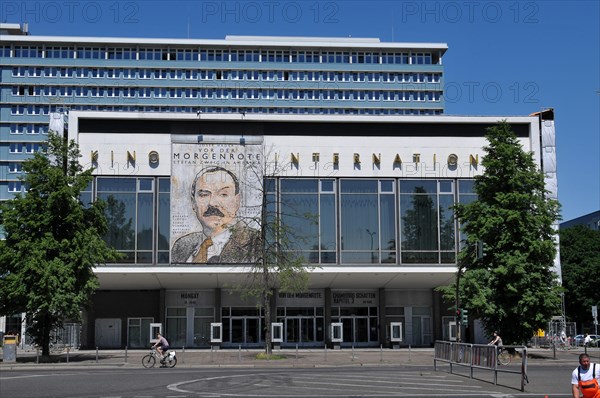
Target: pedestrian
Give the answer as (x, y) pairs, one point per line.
(586, 340)
(584, 379)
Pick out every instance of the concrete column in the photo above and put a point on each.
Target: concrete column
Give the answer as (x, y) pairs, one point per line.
(382, 324)
(327, 317)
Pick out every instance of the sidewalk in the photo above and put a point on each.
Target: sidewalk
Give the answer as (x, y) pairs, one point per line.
(316, 357)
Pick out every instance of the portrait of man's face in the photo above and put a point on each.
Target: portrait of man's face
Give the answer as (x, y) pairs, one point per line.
(216, 200)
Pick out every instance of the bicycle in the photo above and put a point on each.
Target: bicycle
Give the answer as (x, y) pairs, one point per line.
(149, 360)
(504, 357)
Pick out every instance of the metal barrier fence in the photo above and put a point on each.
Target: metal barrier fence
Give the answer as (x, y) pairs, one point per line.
(478, 356)
(67, 336)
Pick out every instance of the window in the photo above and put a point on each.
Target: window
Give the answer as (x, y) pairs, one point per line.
(27, 52)
(60, 52)
(90, 53)
(367, 211)
(138, 332)
(315, 198)
(15, 186)
(121, 53)
(15, 167)
(421, 58)
(427, 221)
(150, 54)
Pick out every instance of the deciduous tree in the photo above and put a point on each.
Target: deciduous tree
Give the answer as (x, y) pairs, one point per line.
(52, 242)
(580, 263)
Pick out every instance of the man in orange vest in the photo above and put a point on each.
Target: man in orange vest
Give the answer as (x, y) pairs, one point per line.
(585, 378)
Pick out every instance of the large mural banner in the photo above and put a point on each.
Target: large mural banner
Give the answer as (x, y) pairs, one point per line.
(216, 199)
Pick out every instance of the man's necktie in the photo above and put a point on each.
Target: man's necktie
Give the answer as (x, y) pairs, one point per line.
(202, 255)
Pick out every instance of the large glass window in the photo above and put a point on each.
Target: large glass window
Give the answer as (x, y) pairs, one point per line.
(138, 332)
(330, 221)
(427, 221)
(419, 231)
(308, 213)
(176, 327)
(367, 220)
(130, 212)
(164, 223)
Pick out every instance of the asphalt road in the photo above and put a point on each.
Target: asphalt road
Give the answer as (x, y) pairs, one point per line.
(546, 380)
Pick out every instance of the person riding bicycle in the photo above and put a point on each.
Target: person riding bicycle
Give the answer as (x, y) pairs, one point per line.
(162, 346)
(497, 341)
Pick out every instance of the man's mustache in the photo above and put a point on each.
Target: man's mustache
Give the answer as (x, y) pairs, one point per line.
(213, 211)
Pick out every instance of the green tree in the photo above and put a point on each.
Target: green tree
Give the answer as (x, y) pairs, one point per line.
(580, 262)
(53, 241)
(511, 288)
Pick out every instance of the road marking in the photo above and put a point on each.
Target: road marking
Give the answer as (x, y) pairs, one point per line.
(22, 377)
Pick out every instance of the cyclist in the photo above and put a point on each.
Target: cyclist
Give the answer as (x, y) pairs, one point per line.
(162, 346)
(497, 341)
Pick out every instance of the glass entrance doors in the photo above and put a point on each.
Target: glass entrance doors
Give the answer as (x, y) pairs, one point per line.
(356, 329)
(300, 330)
(303, 326)
(359, 325)
(242, 330)
(242, 326)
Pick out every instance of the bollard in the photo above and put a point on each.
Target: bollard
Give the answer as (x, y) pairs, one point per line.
(409, 352)
(125, 354)
(240, 353)
(325, 353)
(296, 352)
(352, 352)
(96, 354)
(67, 354)
(37, 354)
(183, 354)
(211, 353)
(380, 352)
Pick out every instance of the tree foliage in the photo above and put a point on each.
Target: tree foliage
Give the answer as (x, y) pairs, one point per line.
(53, 241)
(580, 262)
(512, 288)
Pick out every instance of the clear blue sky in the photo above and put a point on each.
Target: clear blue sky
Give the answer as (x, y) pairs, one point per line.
(504, 57)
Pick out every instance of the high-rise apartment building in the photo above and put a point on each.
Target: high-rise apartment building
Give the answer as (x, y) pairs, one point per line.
(265, 75)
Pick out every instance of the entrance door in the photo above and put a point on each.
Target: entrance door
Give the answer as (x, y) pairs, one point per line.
(421, 331)
(244, 330)
(356, 329)
(292, 330)
(237, 330)
(300, 330)
(108, 333)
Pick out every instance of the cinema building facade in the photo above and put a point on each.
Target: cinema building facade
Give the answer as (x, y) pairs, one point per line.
(380, 231)
(354, 152)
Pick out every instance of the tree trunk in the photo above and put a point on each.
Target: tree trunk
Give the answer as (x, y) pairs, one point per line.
(46, 336)
(267, 309)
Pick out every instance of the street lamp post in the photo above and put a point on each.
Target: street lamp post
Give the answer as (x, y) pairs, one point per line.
(371, 235)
